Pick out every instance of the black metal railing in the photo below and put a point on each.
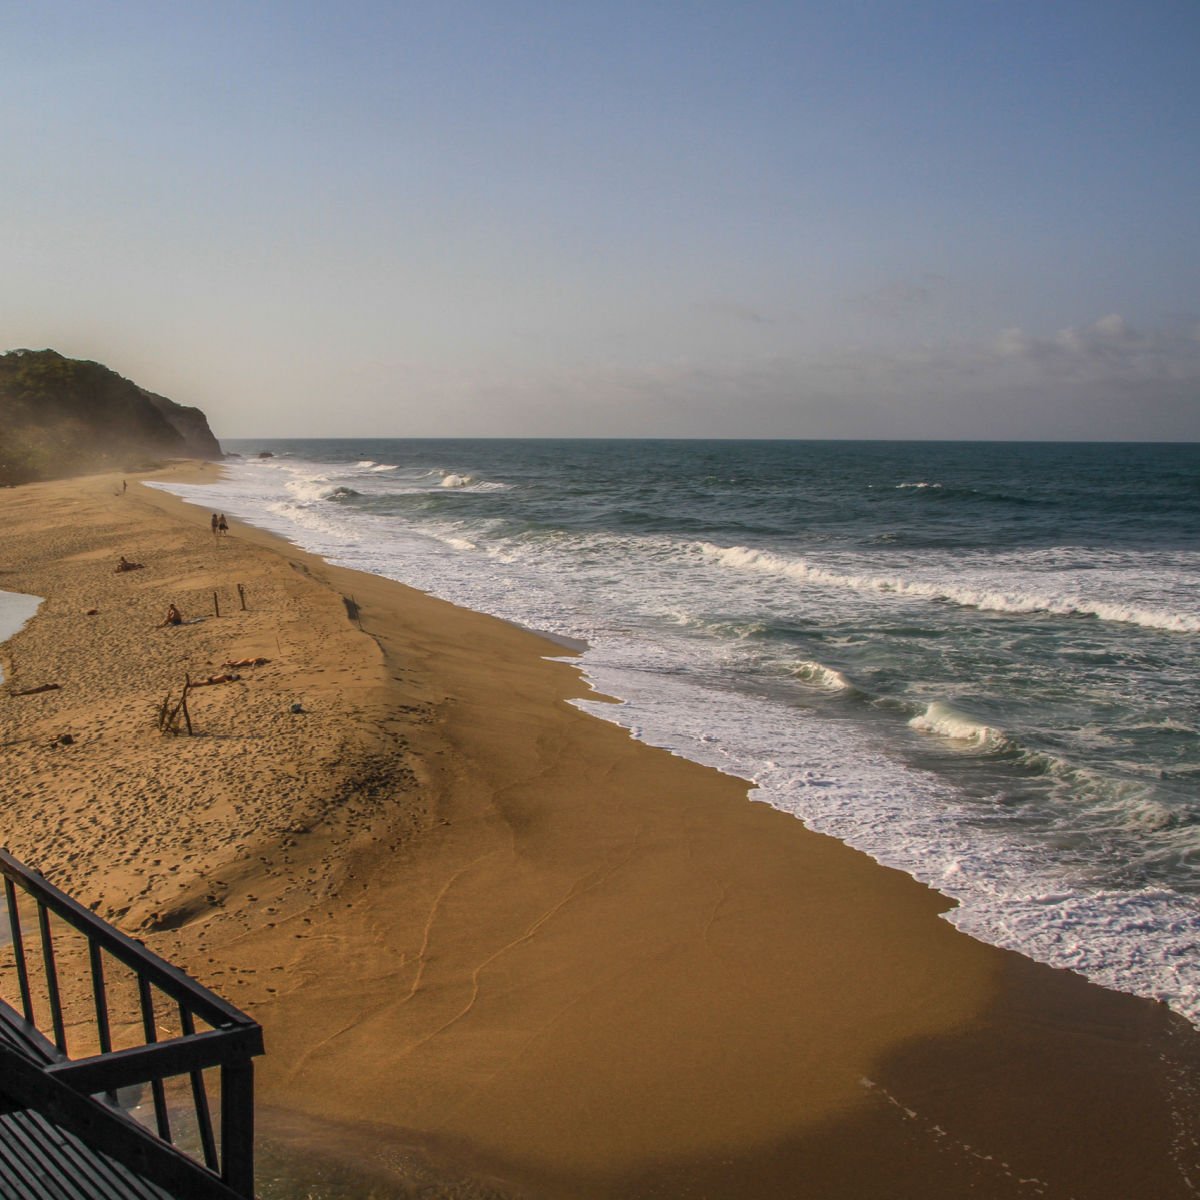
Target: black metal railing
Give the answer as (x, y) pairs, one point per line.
(228, 1044)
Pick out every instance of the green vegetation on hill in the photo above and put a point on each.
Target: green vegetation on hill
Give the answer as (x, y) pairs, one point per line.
(63, 416)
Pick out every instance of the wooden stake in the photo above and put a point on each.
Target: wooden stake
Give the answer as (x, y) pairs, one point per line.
(167, 725)
(242, 596)
(216, 606)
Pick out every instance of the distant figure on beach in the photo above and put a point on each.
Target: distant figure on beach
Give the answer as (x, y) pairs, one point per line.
(124, 486)
(126, 565)
(222, 524)
(214, 524)
(173, 617)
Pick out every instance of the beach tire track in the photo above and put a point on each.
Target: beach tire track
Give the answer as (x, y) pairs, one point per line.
(574, 892)
(431, 921)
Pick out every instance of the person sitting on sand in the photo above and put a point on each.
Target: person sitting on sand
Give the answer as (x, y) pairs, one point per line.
(126, 565)
(173, 617)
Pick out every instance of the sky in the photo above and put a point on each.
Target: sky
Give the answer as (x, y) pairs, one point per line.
(957, 219)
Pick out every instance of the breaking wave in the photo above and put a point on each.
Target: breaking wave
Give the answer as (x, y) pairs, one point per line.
(945, 721)
(816, 674)
(984, 597)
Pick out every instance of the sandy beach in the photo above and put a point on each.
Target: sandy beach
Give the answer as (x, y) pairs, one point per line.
(497, 946)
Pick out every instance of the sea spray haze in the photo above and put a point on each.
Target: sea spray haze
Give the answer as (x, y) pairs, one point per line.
(976, 662)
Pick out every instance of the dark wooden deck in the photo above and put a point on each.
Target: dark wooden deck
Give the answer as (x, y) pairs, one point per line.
(45, 1159)
(42, 1161)
(63, 1134)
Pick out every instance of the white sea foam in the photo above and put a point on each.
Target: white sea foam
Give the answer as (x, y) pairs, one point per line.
(735, 630)
(310, 488)
(946, 721)
(986, 594)
(818, 675)
(1145, 941)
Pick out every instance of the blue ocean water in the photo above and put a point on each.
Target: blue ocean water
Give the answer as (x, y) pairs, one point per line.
(976, 662)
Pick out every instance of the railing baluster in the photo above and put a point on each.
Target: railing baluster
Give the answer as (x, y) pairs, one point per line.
(100, 995)
(156, 1085)
(237, 1126)
(14, 925)
(200, 1097)
(56, 1013)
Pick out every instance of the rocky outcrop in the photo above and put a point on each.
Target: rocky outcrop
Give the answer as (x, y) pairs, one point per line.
(63, 416)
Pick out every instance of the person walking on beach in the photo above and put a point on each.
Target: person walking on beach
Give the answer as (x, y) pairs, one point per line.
(222, 524)
(214, 524)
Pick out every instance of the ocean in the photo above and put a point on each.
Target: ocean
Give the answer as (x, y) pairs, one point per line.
(976, 662)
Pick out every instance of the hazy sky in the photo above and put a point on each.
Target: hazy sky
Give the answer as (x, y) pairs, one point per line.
(974, 218)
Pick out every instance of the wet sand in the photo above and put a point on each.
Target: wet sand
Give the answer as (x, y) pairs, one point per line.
(494, 936)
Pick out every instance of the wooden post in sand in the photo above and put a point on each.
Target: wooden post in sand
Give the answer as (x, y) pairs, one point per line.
(216, 606)
(167, 719)
(242, 596)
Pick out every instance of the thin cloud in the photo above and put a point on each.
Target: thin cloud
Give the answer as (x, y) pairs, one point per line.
(1107, 379)
(734, 311)
(1110, 349)
(900, 297)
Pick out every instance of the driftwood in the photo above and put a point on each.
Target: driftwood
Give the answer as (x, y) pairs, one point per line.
(45, 687)
(246, 662)
(168, 717)
(169, 714)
